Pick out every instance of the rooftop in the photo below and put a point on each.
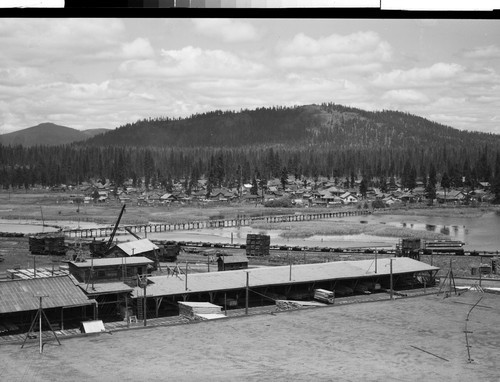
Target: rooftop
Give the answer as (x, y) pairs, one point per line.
(216, 281)
(22, 295)
(136, 247)
(105, 288)
(111, 261)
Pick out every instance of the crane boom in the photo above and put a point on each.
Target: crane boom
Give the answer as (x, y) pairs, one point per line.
(132, 233)
(110, 241)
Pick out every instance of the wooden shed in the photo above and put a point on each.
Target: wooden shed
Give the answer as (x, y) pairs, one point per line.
(142, 247)
(232, 262)
(110, 269)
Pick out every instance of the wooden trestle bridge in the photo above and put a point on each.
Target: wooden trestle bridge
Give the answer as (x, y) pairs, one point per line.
(219, 223)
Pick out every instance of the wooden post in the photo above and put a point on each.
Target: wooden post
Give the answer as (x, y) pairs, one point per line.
(480, 263)
(40, 324)
(392, 291)
(225, 304)
(126, 310)
(186, 275)
(246, 295)
(290, 260)
(376, 252)
(145, 310)
(451, 275)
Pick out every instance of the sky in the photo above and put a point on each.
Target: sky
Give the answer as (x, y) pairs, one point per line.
(103, 73)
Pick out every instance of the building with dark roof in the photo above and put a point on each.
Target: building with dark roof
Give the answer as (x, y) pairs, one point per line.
(230, 263)
(109, 269)
(62, 301)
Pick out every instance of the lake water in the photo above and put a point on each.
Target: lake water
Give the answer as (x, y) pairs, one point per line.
(25, 228)
(479, 233)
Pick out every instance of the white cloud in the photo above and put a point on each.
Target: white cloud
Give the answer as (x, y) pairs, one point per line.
(20, 75)
(139, 48)
(434, 75)
(483, 52)
(42, 40)
(193, 62)
(405, 97)
(364, 50)
(228, 30)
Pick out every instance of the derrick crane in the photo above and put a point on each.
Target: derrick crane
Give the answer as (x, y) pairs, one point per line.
(99, 248)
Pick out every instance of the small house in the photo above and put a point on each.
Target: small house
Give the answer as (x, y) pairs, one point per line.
(348, 198)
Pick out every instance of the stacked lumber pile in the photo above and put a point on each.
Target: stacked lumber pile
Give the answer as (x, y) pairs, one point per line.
(258, 245)
(200, 310)
(282, 305)
(47, 245)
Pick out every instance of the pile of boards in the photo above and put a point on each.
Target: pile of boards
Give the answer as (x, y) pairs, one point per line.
(200, 310)
(258, 245)
(282, 305)
(47, 245)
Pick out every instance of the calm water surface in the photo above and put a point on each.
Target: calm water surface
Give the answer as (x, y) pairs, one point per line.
(479, 233)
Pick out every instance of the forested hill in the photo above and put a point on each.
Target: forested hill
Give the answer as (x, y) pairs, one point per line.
(319, 125)
(232, 148)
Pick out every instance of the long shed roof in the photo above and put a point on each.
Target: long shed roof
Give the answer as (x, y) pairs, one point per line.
(22, 295)
(216, 281)
(112, 261)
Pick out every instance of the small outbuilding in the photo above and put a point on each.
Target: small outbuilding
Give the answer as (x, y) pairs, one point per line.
(232, 262)
(109, 269)
(143, 247)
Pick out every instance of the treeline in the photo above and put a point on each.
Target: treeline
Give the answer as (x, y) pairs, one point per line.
(229, 148)
(73, 164)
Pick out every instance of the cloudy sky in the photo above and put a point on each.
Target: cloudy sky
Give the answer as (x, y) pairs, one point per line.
(102, 73)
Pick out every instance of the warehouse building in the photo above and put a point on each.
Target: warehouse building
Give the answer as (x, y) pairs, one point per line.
(63, 302)
(268, 284)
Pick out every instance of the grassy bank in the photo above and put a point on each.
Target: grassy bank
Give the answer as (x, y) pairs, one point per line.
(338, 228)
(441, 211)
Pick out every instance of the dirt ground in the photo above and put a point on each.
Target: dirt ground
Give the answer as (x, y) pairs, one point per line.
(413, 339)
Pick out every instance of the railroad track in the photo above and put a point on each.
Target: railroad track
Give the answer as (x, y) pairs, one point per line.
(190, 246)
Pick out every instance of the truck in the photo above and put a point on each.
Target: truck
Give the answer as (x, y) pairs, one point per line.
(323, 295)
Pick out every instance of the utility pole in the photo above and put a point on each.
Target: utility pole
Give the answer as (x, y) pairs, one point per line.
(40, 325)
(43, 221)
(392, 291)
(38, 316)
(246, 295)
(145, 305)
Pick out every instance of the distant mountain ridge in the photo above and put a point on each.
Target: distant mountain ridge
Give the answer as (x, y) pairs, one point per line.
(47, 134)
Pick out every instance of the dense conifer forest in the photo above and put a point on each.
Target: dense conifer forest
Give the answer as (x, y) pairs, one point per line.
(233, 147)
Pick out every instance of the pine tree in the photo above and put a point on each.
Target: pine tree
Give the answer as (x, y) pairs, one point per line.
(254, 190)
(284, 177)
(445, 183)
(363, 187)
